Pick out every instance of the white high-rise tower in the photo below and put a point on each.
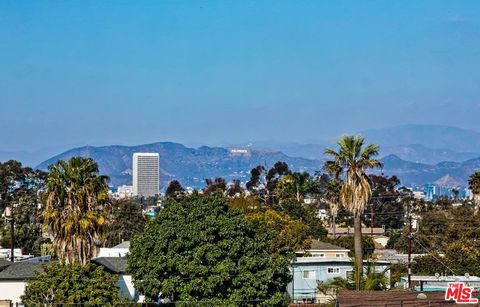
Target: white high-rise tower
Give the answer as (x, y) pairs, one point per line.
(146, 174)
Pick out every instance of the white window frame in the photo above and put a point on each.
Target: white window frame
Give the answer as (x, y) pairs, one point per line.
(335, 270)
(313, 272)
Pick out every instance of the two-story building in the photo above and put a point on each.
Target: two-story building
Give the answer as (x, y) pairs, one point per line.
(321, 262)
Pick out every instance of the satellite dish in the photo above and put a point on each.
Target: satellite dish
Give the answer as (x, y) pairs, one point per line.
(422, 296)
(467, 275)
(437, 275)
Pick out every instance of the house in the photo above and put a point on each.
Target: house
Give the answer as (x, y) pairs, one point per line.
(14, 277)
(393, 256)
(118, 266)
(324, 250)
(114, 260)
(321, 263)
(120, 250)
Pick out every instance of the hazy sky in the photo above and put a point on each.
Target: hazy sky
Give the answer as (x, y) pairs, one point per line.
(131, 72)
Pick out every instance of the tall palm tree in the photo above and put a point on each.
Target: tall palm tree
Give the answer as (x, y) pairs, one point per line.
(474, 185)
(351, 161)
(332, 198)
(76, 209)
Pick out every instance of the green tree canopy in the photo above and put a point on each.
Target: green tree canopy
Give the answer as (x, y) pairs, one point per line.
(20, 187)
(175, 190)
(87, 285)
(388, 210)
(305, 213)
(291, 235)
(127, 221)
(199, 250)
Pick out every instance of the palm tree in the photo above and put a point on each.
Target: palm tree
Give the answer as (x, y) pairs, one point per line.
(351, 161)
(301, 184)
(77, 209)
(332, 198)
(474, 184)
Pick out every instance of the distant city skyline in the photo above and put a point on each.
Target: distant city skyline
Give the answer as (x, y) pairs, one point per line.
(220, 72)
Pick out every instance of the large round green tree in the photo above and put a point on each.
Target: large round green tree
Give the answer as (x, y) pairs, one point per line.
(199, 250)
(76, 209)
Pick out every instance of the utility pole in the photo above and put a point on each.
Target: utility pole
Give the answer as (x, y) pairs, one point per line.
(371, 217)
(410, 237)
(293, 283)
(10, 218)
(12, 240)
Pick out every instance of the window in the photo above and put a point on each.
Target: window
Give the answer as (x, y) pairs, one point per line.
(333, 270)
(308, 274)
(318, 255)
(339, 255)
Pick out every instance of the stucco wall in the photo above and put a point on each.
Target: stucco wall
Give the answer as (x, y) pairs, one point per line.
(126, 286)
(12, 290)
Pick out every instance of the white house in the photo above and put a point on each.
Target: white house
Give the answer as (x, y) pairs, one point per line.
(120, 250)
(13, 279)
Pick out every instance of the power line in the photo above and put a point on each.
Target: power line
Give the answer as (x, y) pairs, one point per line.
(431, 254)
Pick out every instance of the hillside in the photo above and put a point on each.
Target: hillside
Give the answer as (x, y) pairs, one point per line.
(192, 165)
(189, 165)
(429, 136)
(417, 174)
(428, 144)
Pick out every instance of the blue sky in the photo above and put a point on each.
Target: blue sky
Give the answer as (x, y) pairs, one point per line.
(212, 72)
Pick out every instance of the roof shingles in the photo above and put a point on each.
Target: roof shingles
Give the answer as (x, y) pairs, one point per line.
(21, 271)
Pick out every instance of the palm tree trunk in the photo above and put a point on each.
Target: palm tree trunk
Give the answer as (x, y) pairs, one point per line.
(334, 231)
(358, 250)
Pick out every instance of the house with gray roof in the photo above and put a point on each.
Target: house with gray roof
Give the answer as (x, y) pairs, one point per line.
(118, 266)
(13, 279)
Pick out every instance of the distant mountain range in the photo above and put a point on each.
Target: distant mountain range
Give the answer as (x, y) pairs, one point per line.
(189, 165)
(448, 174)
(428, 144)
(192, 166)
(430, 136)
(414, 153)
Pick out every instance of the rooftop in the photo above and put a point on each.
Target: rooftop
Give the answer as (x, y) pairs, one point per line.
(124, 244)
(115, 265)
(323, 246)
(21, 270)
(349, 230)
(348, 261)
(391, 298)
(443, 278)
(4, 263)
